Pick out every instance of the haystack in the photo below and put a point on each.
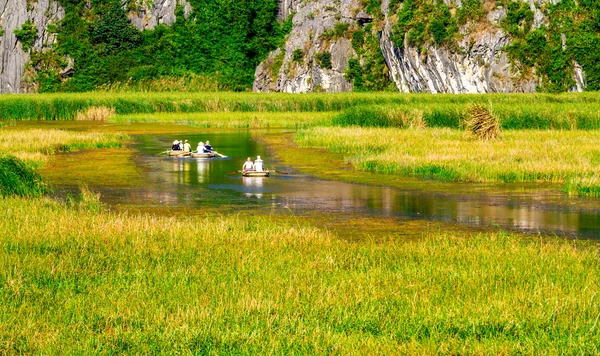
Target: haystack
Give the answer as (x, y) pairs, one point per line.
(482, 123)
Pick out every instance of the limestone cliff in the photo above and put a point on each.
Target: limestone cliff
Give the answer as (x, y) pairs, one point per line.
(477, 63)
(296, 68)
(13, 56)
(15, 73)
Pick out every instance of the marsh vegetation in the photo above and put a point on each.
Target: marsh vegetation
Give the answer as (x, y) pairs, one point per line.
(79, 277)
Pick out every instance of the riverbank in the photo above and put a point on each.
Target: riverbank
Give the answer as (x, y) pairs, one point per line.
(549, 156)
(78, 279)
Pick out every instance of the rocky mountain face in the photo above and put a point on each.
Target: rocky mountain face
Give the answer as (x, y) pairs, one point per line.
(296, 68)
(13, 53)
(478, 64)
(46, 14)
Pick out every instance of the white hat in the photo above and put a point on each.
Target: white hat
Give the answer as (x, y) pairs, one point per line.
(257, 157)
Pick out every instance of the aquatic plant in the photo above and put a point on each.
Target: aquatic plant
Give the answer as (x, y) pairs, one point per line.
(18, 179)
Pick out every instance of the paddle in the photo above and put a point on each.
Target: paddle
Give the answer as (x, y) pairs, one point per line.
(163, 153)
(218, 154)
(234, 172)
(280, 172)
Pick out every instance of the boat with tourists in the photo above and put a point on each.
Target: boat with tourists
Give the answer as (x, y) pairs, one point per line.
(255, 173)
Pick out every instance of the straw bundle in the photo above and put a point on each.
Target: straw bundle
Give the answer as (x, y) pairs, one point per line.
(482, 123)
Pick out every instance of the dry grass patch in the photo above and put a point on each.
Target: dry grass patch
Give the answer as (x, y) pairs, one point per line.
(482, 123)
(96, 113)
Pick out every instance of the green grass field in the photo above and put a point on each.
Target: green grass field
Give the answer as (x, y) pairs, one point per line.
(76, 279)
(452, 154)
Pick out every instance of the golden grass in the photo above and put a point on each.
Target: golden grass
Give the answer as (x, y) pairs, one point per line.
(96, 113)
(76, 279)
(34, 145)
(520, 156)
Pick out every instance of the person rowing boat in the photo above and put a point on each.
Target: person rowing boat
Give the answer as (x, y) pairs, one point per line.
(248, 165)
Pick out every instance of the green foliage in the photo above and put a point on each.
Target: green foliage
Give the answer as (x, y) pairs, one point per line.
(297, 55)
(277, 63)
(424, 22)
(26, 35)
(519, 19)
(339, 30)
(571, 35)
(324, 59)
(17, 179)
(372, 74)
(471, 10)
(221, 39)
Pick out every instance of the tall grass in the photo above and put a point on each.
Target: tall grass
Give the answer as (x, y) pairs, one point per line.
(295, 120)
(75, 280)
(450, 154)
(515, 111)
(517, 115)
(17, 178)
(34, 145)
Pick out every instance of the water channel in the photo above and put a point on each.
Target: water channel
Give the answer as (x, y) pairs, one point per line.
(208, 186)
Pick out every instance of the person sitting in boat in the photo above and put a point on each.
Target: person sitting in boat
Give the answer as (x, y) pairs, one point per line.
(201, 148)
(187, 147)
(259, 165)
(180, 145)
(208, 147)
(175, 146)
(248, 165)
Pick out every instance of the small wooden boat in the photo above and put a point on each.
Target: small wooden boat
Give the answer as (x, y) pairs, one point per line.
(255, 174)
(203, 155)
(172, 153)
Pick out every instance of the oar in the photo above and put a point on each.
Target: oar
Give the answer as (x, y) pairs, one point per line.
(218, 154)
(163, 153)
(280, 172)
(234, 172)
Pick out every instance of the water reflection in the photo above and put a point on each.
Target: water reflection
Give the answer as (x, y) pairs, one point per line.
(196, 184)
(254, 186)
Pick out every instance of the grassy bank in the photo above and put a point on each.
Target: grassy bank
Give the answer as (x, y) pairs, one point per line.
(34, 145)
(75, 279)
(253, 120)
(515, 115)
(450, 154)
(444, 108)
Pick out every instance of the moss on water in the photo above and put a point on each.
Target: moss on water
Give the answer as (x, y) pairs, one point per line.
(99, 167)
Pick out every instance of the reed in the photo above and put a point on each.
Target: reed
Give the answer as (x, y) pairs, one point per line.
(81, 280)
(542, 111)
(449, 154)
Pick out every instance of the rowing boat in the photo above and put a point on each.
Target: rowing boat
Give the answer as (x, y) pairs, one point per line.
(255, 174)
(178, 153)
(203, 155)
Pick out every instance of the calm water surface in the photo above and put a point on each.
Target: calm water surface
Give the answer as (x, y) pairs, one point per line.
(187, 185)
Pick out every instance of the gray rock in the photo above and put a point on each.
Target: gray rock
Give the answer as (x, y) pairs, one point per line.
(478, 66)
(150, 14)
(13, 14)
(310, 22)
